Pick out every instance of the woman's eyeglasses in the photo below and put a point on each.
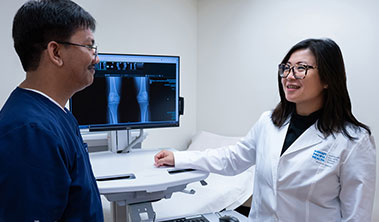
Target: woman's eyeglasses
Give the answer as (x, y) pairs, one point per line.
(299, 71)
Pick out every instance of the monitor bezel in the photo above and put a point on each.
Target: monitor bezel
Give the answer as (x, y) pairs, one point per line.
(139, 125)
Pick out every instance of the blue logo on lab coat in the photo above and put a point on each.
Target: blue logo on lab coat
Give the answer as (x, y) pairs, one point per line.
(318, 155)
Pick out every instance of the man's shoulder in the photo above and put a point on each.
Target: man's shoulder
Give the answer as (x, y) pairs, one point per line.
(21, 112)
(17, 110)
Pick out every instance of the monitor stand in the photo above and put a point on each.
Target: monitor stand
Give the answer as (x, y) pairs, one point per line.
(123, 141)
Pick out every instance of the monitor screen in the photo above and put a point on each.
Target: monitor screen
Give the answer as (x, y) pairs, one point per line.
(130, 92)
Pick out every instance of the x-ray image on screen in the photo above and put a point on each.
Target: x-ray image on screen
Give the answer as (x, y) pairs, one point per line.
(114, 97)
(130, 91)
(113, 91)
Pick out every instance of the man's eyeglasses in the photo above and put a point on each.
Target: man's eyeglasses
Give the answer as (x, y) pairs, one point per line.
(91, 47)
(299, 70)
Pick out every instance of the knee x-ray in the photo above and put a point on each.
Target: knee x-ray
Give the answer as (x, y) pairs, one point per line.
(130, 91)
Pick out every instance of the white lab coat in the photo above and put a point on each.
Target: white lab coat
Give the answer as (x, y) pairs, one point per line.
(317, 179)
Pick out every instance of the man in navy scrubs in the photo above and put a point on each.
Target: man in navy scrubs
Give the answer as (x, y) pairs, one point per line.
(45, 173)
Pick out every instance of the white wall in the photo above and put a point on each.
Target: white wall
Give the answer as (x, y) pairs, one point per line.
(11, 73)
(164, 27)
(240, 43)
(229, 53)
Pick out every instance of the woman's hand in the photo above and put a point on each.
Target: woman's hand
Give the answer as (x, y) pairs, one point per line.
(164, 158)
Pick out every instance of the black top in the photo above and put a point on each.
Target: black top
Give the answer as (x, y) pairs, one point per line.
(298, 125)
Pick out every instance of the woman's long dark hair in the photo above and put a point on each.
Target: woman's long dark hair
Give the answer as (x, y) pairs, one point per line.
(336, 111)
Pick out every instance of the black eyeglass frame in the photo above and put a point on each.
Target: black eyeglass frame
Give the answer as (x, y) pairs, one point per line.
(282, 75)
(91, 47)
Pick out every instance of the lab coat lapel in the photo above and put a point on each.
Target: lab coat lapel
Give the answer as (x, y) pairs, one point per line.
(276, 144)
(279, 138)
(310, 137)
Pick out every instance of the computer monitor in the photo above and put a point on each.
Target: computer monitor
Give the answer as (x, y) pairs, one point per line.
(130, 92)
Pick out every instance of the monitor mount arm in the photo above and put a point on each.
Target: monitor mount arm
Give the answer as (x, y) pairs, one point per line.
(122, 141)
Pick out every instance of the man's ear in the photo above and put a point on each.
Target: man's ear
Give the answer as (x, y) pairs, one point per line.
(54, 53)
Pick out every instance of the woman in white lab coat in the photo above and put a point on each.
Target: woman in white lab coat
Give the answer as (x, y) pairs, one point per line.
(314, 160)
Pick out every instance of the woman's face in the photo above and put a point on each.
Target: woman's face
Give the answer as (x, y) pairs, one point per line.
(306, 93)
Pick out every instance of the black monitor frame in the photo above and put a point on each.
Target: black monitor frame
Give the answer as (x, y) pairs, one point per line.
(157, 68)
